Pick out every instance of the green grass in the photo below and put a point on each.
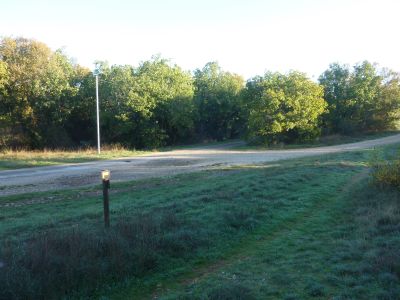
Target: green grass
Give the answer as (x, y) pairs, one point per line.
(16, 159)
(328, 140)
(298, 229)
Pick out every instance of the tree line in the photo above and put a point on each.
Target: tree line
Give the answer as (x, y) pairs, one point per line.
(47, 100)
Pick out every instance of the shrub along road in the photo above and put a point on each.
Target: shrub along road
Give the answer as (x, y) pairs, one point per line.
(159, 164)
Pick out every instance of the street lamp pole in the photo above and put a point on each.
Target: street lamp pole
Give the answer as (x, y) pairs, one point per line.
(98, 114)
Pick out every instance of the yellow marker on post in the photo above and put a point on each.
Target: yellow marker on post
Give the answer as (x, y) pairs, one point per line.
(105, 177)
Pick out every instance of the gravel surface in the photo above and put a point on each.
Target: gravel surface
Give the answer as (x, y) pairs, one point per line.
(158, 164)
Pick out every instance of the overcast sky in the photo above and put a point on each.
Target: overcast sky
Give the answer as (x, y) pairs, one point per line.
(245, 36)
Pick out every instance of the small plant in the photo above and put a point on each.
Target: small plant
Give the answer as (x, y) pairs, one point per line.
(386, 173)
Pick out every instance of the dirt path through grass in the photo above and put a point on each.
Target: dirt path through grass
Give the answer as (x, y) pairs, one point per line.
(158, 164)
(250, 247)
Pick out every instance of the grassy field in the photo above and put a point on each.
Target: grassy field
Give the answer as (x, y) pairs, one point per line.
(16, 159)
(312, 228)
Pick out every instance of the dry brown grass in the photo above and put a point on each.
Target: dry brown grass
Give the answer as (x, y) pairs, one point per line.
(23, 158)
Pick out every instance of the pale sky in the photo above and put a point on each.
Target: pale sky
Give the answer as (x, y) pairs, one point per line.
(247, 37)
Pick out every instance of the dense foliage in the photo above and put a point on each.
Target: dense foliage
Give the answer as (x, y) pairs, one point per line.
(47, 100)
(217, 100)
(284, 107)
(148, 106)
(364, 98)
(38, 85)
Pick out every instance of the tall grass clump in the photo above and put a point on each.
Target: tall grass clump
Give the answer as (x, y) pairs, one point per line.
(386, 173)
(24, 158)
(78, 261)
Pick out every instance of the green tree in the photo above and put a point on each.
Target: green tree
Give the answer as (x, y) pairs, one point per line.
(5, 124)
(37, 80)
(283, 108)
(118, 104)
(218, 102)
(336, 83)
(80, 124)
(362, 99)
(168, 91)
(4, 76)
(364, 90)
(386, 111)
(148, 106)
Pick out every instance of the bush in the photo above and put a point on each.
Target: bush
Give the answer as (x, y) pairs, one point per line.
(387, 174)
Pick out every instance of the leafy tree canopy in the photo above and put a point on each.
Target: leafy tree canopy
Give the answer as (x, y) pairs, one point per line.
(218, 102)
(283, 107)
(364, 98)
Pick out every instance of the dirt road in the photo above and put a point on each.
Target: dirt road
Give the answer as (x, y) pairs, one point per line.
(158, 164)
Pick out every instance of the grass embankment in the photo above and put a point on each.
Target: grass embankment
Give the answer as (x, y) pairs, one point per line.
(308, 228)
(16, 159)
(327, 140)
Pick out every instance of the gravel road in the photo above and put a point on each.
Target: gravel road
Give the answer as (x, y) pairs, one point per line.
(158, 164)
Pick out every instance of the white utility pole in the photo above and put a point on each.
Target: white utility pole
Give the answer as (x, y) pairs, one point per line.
(98, 114)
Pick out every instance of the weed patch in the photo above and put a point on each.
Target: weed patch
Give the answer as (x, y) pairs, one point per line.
(57, 263)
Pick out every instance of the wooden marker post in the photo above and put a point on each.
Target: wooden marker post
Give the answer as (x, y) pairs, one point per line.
(105, 177)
